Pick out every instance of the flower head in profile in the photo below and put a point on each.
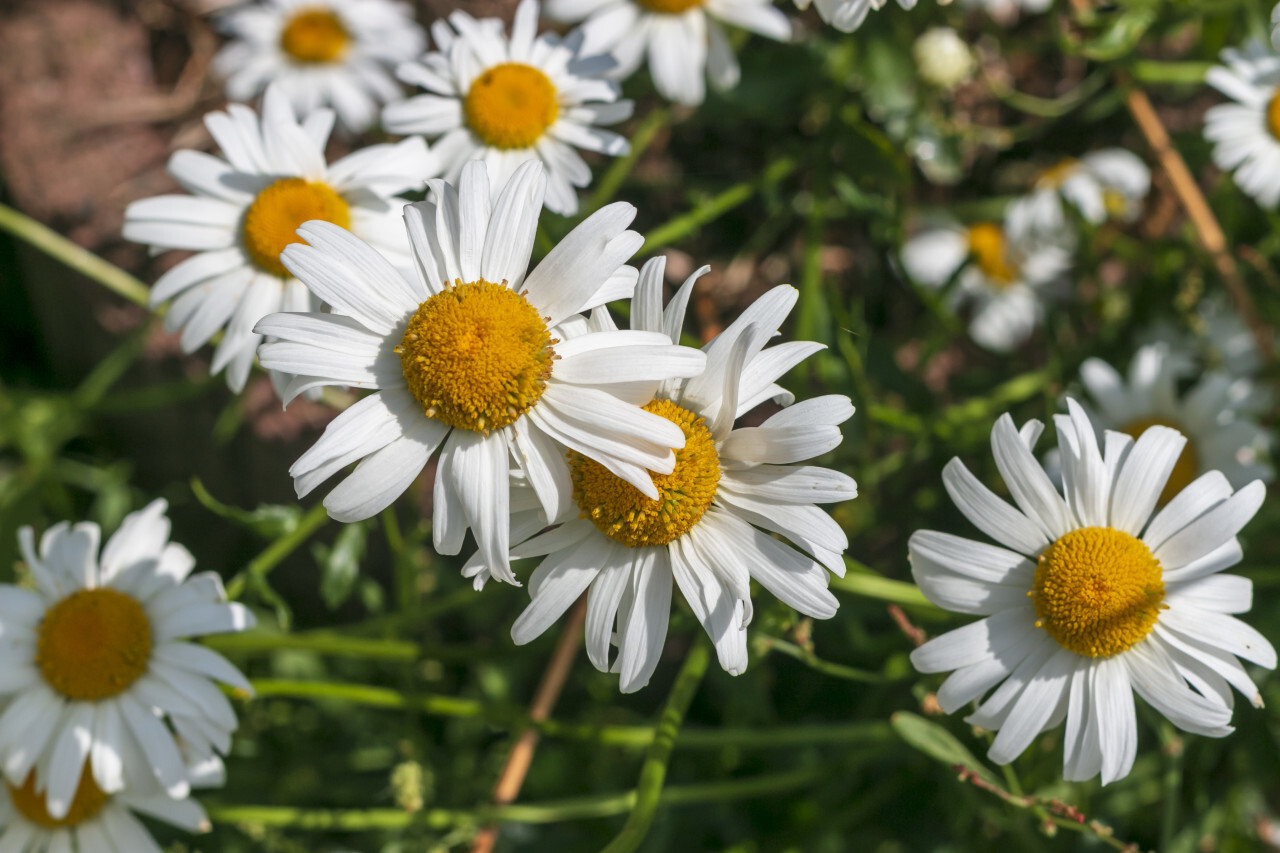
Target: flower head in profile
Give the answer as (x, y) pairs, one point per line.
(1001, 276)
(847, 15)
(710, 530)
(684, 40)
(1212, 414)
(104, 691)
(1246, 133)
(1107, 184)
(334, 53)
(243, 210)
(466, 357)
(943, 58)
(507, 100)
(1091, 595)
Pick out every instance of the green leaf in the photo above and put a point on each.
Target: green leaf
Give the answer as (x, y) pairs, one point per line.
(340, 565)
(270, 521)
(938, 743)
(1122, 36)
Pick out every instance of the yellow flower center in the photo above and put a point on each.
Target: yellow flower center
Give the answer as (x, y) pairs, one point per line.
(1097, 591)
(1188, 464)
(511, 105)
(1273, 115)
(1056, 175)
(990, 252)
(86, 804)
(621, 512)
(670, 7)
(1115, 203)
(314, 36)
(272, 221)
(93, 644)
(477, 355)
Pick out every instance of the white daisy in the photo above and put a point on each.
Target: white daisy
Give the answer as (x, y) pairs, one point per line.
(467, 357)
(684, 39)
(1111, 183)
(1003, 278)
(506, 101)
(336, 53)
(1246, 134)
(710, 531)
(245, 209)
(1212, 414)
(1219, 337)
(98, 822)
(1092, 597)
(1007, 10)
(943, 58)
(95, 665)
(847, 15)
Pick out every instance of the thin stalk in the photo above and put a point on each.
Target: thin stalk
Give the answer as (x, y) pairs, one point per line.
(1171, 784)
(618, 171)
(262, 565)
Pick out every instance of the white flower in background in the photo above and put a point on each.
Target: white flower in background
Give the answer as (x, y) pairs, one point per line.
(336, 53)
(1003, 278)
(1220, 338)
(245, 209)
(683, 39)
(1092, 597)
(506, 101)
(1007, 10)
(1220, 435)
(943, 58)
(710, 531)
(95, 663)
(1246, 134)
(467, 357)
(848, 15)
(1102, 185)
(98, 822)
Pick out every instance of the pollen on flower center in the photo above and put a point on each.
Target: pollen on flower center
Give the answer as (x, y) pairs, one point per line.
(1097, 591)
(988, 246)
(272, 221)
(511, 105)
(476, 355)
(30, 803)
(670, 7)
(1056, 175)
(314, 36)
(1188, 464)
(93, 644)
(1273, 115)
(621, 512)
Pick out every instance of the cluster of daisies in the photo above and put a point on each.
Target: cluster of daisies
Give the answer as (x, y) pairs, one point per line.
(615, 457)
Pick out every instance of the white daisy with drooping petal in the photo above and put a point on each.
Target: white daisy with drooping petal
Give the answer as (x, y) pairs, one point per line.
(1246, 134)
(847, 15)
(97, 668)
(467, 358)
(711, 530)
(98, 822)
(1091, 595)
(321, 53)
(1003, 277)
(1102, 185)
(507, 100)
(684, 40)
(1213, 414)
(245, 209)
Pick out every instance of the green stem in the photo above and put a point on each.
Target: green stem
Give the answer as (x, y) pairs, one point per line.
(835, 670)
(68, 253)
(1171, 783)
(323, 643)
(653, 772)
(262, 565)
(715, 207)
(613, 177)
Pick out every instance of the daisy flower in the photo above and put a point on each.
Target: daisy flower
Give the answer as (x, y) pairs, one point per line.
(466, 357)
(1246, 134)
(508, 100)
(1001, 275)
(95, 662)
(1220, 436)
(847, 15)
(1111, 183)
(98, 822)
(1219, 336)
(684, 39)
(1007, 10)
(243, 211)
(1089, 597)
(336, 53)
(710, 530)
